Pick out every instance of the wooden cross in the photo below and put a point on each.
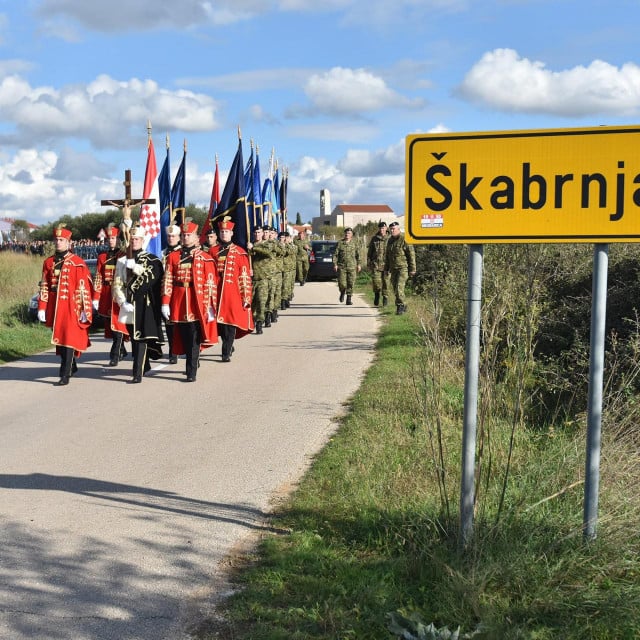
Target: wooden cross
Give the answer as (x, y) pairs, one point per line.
(127, 200)
(126, 203)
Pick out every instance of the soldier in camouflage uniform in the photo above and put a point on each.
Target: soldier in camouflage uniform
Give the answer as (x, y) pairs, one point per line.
(302, 258)
(289, 270)
(275, 297)
(346, 262)
(375, 261)
(261, 253)
(400, 263)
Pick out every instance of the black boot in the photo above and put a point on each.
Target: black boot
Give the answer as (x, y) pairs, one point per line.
(274, 315)
(385, 301)
(267, 319)
(258, 326)
(349, 299)
(283, 305)
(376, 299)
(342, 296)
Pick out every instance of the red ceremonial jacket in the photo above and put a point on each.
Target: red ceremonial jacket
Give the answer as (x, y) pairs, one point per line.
(190, 288)
(234, 287)
(66, 292)
(102, 283)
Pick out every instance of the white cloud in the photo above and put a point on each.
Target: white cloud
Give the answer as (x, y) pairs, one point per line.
(342, 91)
(504, 80)
(107, 112)
(382, 162)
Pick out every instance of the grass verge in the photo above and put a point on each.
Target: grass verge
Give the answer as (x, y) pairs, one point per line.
(368, 536)
(19, 336)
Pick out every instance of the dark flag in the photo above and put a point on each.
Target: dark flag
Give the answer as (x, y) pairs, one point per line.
(178, 200)
(257, 192)
(283, 196)
(233, 202)
(164, 188)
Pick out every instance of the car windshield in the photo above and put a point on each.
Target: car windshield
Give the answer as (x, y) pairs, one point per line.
(324, 249)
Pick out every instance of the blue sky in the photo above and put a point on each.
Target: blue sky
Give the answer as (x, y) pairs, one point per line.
(332, 86)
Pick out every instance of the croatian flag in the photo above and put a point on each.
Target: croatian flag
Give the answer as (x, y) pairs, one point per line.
(150, 212)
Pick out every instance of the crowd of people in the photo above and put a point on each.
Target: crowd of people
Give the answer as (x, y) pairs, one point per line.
(203, 290)
(390, 260)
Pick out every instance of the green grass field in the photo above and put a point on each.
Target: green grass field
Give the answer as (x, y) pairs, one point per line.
(370, 537)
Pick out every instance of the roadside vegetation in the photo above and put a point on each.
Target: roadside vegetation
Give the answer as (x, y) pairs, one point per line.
(19, 277)
(369, 540)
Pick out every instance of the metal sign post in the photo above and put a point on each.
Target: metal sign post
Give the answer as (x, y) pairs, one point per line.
(596, 379)
(471, 368)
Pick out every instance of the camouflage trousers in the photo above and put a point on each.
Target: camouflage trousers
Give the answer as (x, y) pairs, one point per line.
(398, 280)
(288, 280)
(302, 269)
(275, 291)
(380, 282)
(346, 279)
(260, 299)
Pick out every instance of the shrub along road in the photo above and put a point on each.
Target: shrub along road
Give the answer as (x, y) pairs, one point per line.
(120, 501)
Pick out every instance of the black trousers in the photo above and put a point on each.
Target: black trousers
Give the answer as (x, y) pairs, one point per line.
(141, 362)
(191, 336)
(228, 334)
(116, 345)
(67, 360)
(168, 327)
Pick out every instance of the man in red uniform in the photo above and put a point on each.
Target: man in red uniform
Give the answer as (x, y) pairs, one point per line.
(173, 232)
(103, 300)
(235, 319)
(64, 303)
(189, 296)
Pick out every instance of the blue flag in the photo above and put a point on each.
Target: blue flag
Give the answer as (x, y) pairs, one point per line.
(178, 203)
(164, 188)
(233, 202)
(257, 193)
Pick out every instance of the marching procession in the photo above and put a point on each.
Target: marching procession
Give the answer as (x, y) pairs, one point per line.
(202, 293)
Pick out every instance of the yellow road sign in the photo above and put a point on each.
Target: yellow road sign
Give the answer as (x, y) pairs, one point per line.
(547, 185)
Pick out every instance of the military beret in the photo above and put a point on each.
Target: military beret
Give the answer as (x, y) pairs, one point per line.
(282, 234)
(266, 227)
(382, 224)
(394, 224)
(348, 229)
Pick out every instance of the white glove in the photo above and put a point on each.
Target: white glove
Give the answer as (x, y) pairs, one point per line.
(138, 269)
(83, 317)
(166, 311)
(95, 304)
(212, 314)
(127, 306)
(131, 263)
(42, 315)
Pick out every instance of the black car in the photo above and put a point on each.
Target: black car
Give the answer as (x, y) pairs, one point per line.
(321, 259)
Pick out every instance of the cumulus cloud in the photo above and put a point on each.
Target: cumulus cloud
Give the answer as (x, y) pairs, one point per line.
(381, 162)
(29, 190)
(502, 79)
(342, 91)
(107, 112)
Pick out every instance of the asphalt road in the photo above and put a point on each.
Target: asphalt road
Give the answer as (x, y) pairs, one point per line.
(120, 502)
